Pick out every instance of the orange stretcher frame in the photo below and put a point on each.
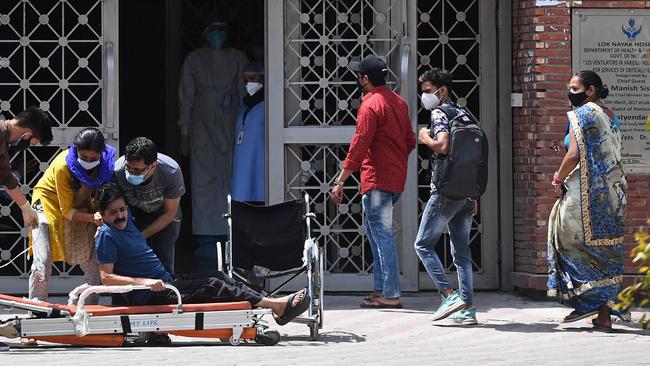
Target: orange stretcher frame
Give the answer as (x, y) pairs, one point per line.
(45, 315)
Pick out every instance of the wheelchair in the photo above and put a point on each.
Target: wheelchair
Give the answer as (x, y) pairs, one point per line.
(266, 242)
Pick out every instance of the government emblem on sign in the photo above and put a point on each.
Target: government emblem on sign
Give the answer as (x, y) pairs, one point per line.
(632, 31)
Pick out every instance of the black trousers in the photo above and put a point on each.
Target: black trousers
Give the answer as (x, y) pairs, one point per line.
(207, 287)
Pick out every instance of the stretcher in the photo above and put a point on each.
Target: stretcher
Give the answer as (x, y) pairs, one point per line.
(99, 325)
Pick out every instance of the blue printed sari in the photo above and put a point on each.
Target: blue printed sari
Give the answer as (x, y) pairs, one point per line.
(585, 229)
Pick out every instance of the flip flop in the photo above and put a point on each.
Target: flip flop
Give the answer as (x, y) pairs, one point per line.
(292, 311)
(378, 305)
(575, 316)
(600, 326)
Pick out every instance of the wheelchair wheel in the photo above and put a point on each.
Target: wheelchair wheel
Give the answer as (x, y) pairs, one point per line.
(313, 331)
(318, 288)
(268, 338)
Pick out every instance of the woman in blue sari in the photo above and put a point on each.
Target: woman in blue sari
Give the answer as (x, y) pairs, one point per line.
(585, 233)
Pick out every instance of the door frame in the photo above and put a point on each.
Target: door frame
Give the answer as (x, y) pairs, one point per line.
(278, 136)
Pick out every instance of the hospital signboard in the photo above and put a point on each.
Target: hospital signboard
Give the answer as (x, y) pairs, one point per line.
(615, 43)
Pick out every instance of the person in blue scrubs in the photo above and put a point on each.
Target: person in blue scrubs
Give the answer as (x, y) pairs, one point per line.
(249, 161)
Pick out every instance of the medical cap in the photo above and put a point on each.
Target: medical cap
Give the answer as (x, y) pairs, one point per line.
(216, 22)
(254, 68)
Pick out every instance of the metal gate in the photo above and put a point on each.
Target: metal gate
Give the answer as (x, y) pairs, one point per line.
(62, 57)
(312, 106)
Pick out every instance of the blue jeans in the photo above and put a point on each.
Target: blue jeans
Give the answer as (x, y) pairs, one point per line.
(378, 220)
(456, 214)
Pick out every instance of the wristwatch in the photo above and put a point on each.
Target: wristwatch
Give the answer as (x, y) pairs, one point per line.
(338, 182)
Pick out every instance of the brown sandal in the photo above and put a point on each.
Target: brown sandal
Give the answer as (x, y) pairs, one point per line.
(379, 305)
(372, 296)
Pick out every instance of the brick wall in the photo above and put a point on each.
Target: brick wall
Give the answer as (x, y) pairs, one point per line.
(541, 47)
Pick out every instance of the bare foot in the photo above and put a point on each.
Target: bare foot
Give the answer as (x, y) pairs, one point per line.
(603, 324)
(278, 305)
(28, 342)
(604, 319)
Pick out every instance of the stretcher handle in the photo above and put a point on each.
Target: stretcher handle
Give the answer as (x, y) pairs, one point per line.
(122, 289)
(179, 305)
(80, 319)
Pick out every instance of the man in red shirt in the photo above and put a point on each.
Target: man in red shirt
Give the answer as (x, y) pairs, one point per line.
(380, 147)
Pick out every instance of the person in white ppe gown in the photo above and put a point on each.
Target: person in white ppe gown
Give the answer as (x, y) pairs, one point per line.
(209, 94)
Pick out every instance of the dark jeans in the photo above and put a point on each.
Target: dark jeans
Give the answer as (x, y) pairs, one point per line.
(207, 287)
(163, 242)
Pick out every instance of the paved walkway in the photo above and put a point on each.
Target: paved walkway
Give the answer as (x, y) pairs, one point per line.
(513, 330)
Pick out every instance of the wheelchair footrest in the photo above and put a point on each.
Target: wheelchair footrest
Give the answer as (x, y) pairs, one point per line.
(305, 320)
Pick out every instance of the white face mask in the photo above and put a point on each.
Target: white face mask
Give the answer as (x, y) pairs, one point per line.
(253, 88)
(430, 100)
(86, 165)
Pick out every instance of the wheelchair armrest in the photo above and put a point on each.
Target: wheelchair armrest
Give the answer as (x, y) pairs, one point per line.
(226, 215)
(310, 215)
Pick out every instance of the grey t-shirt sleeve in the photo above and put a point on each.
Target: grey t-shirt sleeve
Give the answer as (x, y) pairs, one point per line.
(174, 183)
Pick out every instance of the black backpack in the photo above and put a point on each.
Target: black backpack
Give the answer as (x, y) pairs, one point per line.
(463, 173)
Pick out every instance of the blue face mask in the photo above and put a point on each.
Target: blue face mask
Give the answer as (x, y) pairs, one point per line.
(216, 38)
(136, 180)
(86, 165)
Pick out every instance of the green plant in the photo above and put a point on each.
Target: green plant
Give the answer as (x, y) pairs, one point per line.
(638, 294)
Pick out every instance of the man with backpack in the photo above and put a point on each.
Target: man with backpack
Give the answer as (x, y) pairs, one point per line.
(458, 176)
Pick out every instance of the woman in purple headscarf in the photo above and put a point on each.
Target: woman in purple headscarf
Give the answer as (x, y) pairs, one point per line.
(68, 219)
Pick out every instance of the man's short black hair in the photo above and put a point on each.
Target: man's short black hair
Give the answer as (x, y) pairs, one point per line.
(38, 121)
(437, 77)
(141, 148)
(107, 193)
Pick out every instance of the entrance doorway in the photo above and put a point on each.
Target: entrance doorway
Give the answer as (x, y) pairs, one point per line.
(153, 48)
(312, 110)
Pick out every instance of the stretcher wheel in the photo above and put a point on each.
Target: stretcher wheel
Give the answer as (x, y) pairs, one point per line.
(268, 338)
(234, 341)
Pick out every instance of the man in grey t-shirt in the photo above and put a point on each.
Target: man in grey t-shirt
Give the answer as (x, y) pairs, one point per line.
(153, 185)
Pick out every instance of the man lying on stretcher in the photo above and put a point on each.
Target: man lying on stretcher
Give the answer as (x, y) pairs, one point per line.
(125, 259)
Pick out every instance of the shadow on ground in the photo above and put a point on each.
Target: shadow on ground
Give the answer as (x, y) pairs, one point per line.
(324, 338)
(543, 328)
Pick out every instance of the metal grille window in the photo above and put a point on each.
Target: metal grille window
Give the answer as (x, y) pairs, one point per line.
(51, 56)
(321, 39)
